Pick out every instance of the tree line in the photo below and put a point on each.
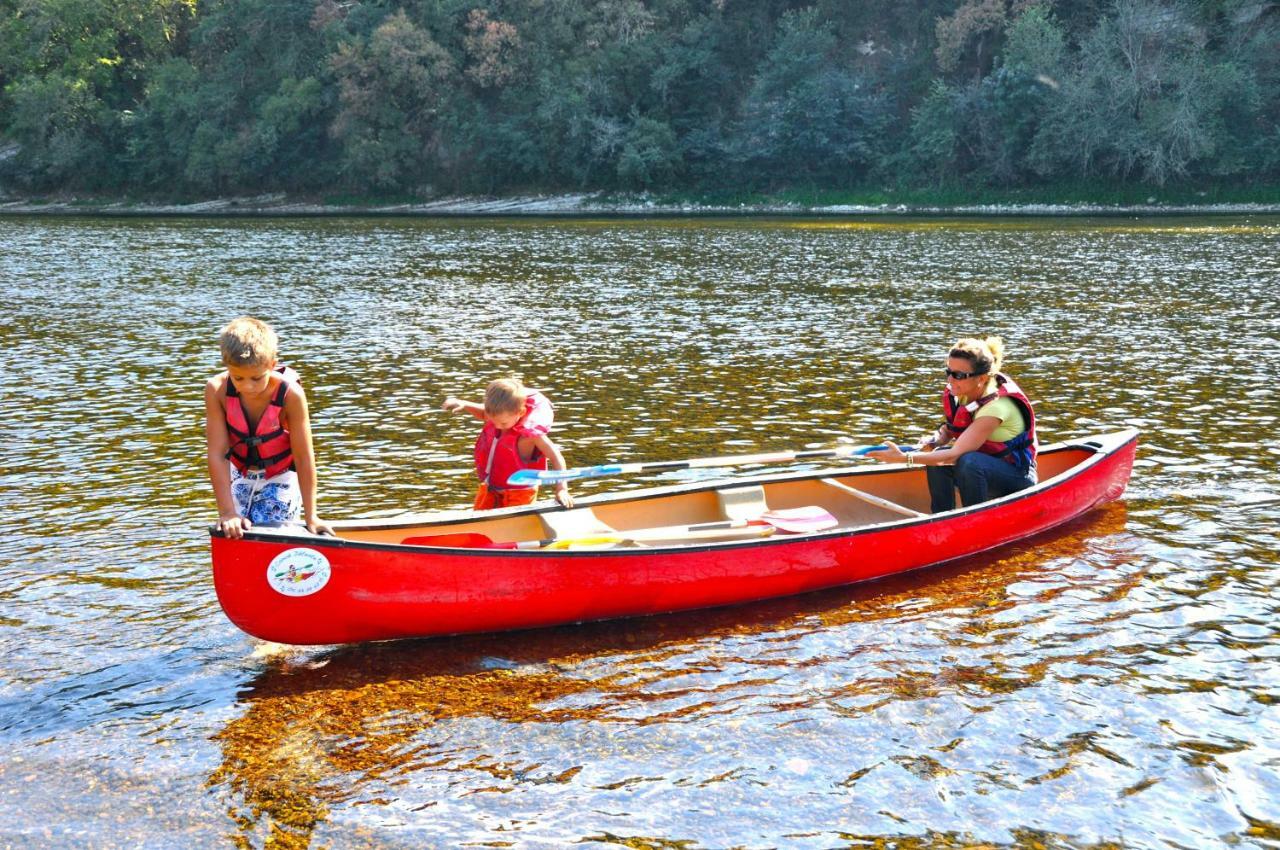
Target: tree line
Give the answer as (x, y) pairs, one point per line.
(383, 98)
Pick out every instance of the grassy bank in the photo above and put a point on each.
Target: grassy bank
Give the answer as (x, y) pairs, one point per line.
(959, 199)
(944, 197)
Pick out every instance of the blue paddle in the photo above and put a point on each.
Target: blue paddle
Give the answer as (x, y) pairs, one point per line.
(529, 477)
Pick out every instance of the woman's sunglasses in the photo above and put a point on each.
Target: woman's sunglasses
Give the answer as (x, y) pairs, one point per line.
(961, 376)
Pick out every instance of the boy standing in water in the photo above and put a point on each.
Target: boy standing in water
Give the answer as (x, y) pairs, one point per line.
(516, 423)
(258, 435)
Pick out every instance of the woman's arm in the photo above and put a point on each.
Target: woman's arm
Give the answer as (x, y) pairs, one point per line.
(973, 437)
(939, 438)
(978, 432)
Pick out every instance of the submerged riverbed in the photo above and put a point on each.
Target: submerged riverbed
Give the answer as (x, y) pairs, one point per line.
(1112, 684)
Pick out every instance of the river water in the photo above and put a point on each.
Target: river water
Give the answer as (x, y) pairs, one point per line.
(1110, 685)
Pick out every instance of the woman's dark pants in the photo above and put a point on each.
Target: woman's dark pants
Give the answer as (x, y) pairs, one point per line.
(978, 477)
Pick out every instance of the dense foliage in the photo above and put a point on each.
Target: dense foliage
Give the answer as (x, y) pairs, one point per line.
(404, 98)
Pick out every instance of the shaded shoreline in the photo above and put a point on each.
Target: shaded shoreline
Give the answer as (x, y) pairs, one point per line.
(570, 205)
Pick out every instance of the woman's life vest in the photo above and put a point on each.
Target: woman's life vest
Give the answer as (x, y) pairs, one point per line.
(268, 447)
(1021, 450)
(497, 453)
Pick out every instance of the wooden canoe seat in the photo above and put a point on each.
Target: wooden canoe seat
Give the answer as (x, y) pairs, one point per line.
(573, 523)
(742, 502)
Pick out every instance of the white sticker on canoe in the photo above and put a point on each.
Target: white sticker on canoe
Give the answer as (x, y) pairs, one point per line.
(298, 572)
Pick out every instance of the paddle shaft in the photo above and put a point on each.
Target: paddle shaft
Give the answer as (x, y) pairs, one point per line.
(535, 476)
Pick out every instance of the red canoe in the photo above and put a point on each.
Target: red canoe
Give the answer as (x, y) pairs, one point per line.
(640, 552)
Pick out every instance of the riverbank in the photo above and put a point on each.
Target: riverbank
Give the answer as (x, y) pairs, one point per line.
(590, 204)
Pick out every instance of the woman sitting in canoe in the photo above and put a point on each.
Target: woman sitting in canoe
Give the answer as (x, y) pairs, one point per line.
(516, 423)
(987, 446)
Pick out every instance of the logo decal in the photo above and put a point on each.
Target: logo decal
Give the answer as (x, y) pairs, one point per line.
(298, 572)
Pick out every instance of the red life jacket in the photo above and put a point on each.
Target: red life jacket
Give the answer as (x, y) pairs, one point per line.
(1021, 450)
(268, 446)
(497, 453)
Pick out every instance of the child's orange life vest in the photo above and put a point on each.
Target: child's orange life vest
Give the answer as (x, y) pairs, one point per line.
(268, 447)
(497, 455)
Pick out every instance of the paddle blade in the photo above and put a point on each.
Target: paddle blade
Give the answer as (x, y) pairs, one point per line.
(862, 450)
(800, 520)
(459, 540)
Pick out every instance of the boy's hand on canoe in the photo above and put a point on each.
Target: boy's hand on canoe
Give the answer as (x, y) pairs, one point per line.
(234, 526)
(562, 495)
(318, 526)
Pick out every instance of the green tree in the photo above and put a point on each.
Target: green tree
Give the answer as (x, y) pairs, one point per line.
(392, 90)
(1248, 46)
(1143, 101)
(807, 114)
(387, 96)
(162, 137)
(73, 73)
(1009, 105)
(1035, 44)
(257, 115)
(65, 131)
(968, 38)
(937, 125)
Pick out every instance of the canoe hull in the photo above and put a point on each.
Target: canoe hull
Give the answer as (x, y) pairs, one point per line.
(381, 592)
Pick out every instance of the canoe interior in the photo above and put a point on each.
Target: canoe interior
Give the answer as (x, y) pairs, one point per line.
(700, 502)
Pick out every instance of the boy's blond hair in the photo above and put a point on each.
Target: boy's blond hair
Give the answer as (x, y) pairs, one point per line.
(247, 341)
(505, 395)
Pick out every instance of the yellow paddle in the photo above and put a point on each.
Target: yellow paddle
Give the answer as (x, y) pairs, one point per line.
(675, 533)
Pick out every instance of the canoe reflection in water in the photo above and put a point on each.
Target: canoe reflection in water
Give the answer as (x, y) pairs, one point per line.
(434, 735)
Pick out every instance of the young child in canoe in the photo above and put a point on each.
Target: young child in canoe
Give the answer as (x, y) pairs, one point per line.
(258, 435)
(516, 423)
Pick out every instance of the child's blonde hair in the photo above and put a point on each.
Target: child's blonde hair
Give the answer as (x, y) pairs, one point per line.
(505, 395)
(986, 355)
(247, 341)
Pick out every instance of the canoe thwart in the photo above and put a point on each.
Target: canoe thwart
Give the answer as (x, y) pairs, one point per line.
(873, 500)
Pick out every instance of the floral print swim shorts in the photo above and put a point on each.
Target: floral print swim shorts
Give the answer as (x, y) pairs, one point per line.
(267, 501)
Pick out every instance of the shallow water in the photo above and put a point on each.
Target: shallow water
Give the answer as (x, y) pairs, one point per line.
(1111, 684)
